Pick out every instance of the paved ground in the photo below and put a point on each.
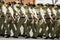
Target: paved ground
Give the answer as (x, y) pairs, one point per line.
(22, 38)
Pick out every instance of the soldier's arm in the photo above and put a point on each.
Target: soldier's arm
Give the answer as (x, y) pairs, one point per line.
(35, 14)
(51, 18)
(43, 15)
(54, 13)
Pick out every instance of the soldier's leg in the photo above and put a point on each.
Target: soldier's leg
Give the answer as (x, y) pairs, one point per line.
(56, 28)
(7, 30)
(21, 21)
(35, 29)
(32, 26)
(25, 28)
(43, 29)
(56, 32)
(3, 29)
(0, 29)
(52, 34)
(40, 28)
(18, 25)
(50, 30)
(24, 23)
(0, 26)
(47, 26)
(13, 29)
(28, 27)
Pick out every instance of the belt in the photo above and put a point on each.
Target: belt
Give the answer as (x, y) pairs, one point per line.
(30, 18)
(40, 18)
(2, 15)
(58, 18)
(22, 17)
(48, 18)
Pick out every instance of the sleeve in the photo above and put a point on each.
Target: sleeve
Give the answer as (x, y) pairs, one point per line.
(11, 11)
(49, 11)
(34, 11)
(23, 10)
(4, 10)
(54, 12)
(15, 8)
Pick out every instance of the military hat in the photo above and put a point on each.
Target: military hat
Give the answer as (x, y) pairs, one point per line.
(9, 4)
(52, 5)
(33, 5)
(48, 4)
(58, 5)
(2, 2)
(29, 4)
(40, 4)
(21, 3)
(14, 2)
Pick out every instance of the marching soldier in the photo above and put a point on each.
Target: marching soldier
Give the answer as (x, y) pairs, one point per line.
(24, 15)
(16, 15)
(57, 24)
(11, 20)
(48, 15)
(31, 22)
(34, 22)
(4, 20)
(0, 17)
(28, 20)
(49, 21)
(54, 14)
(21, 19)
(41, 22)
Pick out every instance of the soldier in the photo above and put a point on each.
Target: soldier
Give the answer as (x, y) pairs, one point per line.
(21, 18)
(34, 22)
(1, 18)
(28, 20)
(31, 22)
(41, 22)
(54, 14)
(16, 15)
(4, 19)
(57, 24)
(49, 20)
(11, 20)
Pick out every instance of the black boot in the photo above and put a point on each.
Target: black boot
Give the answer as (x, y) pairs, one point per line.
(2, 35)
(27, 36)
(7, 36)
(46, 37)
(34, 37)
(19, 35)
(56, 37)
(39, 36)
(51, 37)
(15, 36)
